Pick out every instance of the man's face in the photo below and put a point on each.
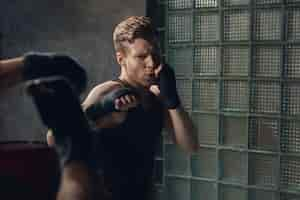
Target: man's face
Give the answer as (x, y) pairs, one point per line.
(141, 62)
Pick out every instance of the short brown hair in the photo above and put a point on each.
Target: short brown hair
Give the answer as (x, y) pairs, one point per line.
(132, 28)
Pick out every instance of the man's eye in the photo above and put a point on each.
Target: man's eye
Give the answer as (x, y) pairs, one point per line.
(142, 56)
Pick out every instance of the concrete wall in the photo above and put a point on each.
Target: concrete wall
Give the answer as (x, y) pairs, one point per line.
(81, 28)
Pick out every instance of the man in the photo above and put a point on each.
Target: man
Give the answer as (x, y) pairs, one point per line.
(130, 130)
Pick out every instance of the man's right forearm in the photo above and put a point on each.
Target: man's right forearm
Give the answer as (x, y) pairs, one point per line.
(10, 72)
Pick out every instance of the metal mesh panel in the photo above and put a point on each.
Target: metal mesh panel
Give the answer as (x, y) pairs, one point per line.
(231, 192)
(236, 2)
(290, 136)
(268, 25)
(205, 94)
(291, 99)
(236, 25)
(236, 61)
(176, 161)
(293, 24)
(178, 188)
(240, 82)
(180, 28)
(234, 131)
(206, 27)
(290, 172)
(207, 127)
(287, 196)
(206, 61)
(267, 62)
(184, 88)
(266, 97)
(233, 166)
(235, 95)
(259, 2)
(292, 1)
(158, 193)
(203, 190)
(292, 69)
(204, 163)
(264, 134)
(180, 4)
(262, 195)
(206, 3)
(263, 170)
(181, 59)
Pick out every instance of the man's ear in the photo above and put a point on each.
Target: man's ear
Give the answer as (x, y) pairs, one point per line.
(120, 58)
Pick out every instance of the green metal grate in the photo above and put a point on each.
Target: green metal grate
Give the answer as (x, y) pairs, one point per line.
(292, 69)
(290, 136)
(176, 161)
(178, 188)
(206, 3)
(234, 131)
(266, 97)
(267, 61)
(268, 24)
(237, 69)
(293, 24)
(290, 172)
(291, 99)
(228, 192)
(207, 128)
(236, 25)
(261, 2)
(175, 4)
(203, 190)
(235, 95)
(204, 163)
(263, 170)
(206, 61)
(182, 60)
(236, 61)
(233, 166)
(264, 134)
(206, 27)
(228, 3)
(262, 194)
(205, 95)
(180, 27)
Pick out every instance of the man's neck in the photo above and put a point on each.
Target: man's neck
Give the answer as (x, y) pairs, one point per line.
(133, 84)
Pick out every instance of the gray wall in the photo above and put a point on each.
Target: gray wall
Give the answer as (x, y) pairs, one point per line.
(82, 28)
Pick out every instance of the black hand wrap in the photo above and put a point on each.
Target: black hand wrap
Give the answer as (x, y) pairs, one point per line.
(107, 103)
(167, 86)
(60, 110)
(39, 65)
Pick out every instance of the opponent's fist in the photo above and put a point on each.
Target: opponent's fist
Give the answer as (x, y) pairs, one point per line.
(167, 87)
(121, 99)
(39, 65)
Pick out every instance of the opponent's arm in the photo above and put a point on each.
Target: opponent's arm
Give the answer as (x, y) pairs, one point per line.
(10, 72)
(39, 65)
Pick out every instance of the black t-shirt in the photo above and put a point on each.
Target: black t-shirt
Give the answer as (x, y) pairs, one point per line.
(126, 152)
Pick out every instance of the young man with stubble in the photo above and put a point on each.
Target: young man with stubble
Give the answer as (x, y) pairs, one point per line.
(131, 128)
